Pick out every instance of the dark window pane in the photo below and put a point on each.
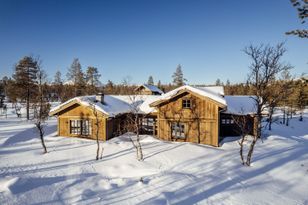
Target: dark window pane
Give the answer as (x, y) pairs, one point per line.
(177, 130)
(186, 103)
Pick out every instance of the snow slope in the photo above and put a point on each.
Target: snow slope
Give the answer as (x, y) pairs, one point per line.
(172, 172)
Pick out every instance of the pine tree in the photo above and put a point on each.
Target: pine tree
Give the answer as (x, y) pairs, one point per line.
(159, 84)
(109, 87)
(287, 81)
(25, 77)
(92, 76)
(150, 80)
(2, 87)
(178, 77)
(301, 98)
(228, 82)
(76, 75)
(58, 85)
(218, 82)
(302, 12)
(92, 79)
(57, 79)
(227, 87)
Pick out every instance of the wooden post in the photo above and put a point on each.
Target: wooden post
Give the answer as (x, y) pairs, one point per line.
(154, 127)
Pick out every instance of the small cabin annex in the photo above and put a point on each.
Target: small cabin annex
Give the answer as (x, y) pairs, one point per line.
(147, 89)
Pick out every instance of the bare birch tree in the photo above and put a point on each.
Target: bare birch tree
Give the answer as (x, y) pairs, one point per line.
(99, 152)
(266, 65)
(41, 107)
(134, 123)
(243, 130)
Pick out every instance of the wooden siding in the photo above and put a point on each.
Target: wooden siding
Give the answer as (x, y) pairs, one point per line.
(201, 121)
(80, 112)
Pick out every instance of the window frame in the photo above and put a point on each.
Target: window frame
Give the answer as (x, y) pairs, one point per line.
(186, 103)
(75, 127)
(227, 121)
(178, 130)
(86, 128)
(80, 127)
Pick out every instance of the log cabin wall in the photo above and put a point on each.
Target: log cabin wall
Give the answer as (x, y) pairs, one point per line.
(200, 121)
(80, 112)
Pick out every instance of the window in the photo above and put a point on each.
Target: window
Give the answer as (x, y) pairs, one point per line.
(186, 103)
(147, 124)
(177, 130)
(147, 121)
(86, 127)
(75, 127)
(227, 121)
(80, 127)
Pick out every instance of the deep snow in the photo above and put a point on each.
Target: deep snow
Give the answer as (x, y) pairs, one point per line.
(172, 172)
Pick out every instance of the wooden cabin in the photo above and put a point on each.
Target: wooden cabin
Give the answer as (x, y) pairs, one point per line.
(78, 117)
(202, 115)
(146, 89)
(189, 114)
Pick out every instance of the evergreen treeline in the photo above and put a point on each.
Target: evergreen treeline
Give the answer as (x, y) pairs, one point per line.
(22, 85)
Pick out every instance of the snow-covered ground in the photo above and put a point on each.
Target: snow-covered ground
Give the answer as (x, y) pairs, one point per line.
(172, 173)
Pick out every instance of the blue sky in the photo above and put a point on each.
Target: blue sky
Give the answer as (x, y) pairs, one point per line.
(139, 38)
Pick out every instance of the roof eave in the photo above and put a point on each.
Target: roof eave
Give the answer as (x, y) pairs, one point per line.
(157, 103)
(73, 102)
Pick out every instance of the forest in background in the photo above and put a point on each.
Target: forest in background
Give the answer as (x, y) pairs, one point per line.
(292, 90)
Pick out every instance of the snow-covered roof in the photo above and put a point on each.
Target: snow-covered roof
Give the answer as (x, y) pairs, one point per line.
(145, 104)
(115, 104)
(215, 89)
(152, 88)
(69, 82)
(214, 93)
(240, 104)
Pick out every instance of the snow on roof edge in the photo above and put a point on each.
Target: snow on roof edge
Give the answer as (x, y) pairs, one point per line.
(114, 104)
(204, 92)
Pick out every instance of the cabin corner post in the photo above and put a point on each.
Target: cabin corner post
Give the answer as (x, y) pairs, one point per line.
(158, 123)
(58, 129)
(218, 127)
(106, 130)
(219, 124)
(216, 137)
